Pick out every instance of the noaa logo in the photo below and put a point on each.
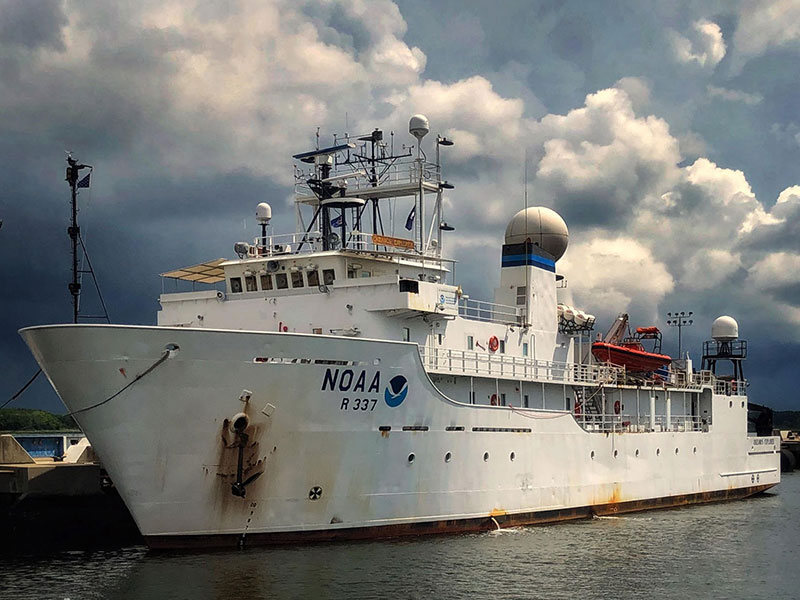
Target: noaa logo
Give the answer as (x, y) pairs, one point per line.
(396, 391)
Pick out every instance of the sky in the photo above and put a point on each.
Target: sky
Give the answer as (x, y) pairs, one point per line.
(667, 135)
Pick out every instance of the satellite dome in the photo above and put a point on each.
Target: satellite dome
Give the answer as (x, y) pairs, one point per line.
(418, 126)
(264, 213)
(725, 329)
(543, 226)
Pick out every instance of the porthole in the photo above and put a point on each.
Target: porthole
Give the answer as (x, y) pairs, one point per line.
(658, 451)
(730, 404)
(512, 456)
(448, 457)
(676, 451)
(411, 458)
(637, 452)
(742, 403)
(485, 456)
(616, 453)
(694, 450)
(592, 455)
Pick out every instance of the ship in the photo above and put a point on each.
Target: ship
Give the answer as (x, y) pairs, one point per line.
(338, 383)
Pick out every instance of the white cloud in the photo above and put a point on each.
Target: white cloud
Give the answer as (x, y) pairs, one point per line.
(765, 24)
(609, 275)
(705, 45)
(734, 95)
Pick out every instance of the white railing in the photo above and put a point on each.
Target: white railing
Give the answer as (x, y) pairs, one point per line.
(466, 362)
(305, 243)
(639, 423)
(477, 310)
(405, 172)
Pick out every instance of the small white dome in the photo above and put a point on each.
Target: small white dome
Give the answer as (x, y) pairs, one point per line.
(418, 126)
(543, 226)
(725, 329)
(264, 213)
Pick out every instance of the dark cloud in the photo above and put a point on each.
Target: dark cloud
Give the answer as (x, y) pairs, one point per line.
(32, 24)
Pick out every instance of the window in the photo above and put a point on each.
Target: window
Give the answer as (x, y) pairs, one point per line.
(525, 401)
(472, 397)
(470, 342)
(250, 283)
(351, 273)
(313, 278)
(439, 337)
(502, 347)
(502, 399)
(266, 282)
(281, 282)
(406, 334)
(409, 285)
(524, 348)
(366, 273)
(522, 292)
(297, 279)
(328, 276)
(236, 285)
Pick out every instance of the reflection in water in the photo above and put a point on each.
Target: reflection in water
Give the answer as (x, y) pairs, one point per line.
(741, 549)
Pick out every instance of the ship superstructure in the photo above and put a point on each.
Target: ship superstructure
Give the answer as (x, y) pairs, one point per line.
(343, 385)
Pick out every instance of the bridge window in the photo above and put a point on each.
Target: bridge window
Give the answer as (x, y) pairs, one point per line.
(313, 278)
(281, 281)
(409, 285)
(236, 285)
(297, 279)
(250, 283)
(522, 293)
(266, 282)
(328, 276)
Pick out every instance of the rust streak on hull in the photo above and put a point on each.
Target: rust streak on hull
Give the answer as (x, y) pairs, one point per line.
(169, 542)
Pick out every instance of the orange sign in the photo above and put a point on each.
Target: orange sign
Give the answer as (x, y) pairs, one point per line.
(385, 240)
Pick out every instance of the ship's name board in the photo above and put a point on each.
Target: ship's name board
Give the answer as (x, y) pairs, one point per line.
(363, 388)
(385, 240)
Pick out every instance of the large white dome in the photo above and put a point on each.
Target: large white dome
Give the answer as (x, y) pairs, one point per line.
(543, 226)
(725, 329)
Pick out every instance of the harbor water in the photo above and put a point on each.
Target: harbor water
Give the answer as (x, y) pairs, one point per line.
(744, 549)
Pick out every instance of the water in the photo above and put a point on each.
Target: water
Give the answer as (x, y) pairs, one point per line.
(745, 549)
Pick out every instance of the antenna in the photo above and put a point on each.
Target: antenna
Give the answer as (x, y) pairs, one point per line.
(73, 173)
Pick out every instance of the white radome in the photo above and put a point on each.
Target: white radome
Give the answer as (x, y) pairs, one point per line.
(543, 226)
(725, 329)
(264, 213)
(418, 126)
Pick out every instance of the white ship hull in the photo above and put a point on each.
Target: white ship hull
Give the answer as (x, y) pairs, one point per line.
(330, 467)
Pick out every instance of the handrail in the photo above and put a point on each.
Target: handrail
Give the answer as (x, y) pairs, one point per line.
(466, 362)
(478, 310)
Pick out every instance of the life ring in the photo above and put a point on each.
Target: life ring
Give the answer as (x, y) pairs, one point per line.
(578, 407)
(494, 343)
(494, 399)
(617, 407)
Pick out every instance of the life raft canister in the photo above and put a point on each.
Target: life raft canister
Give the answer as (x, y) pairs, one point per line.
(617, 407)
(494, 343)
(494, 399)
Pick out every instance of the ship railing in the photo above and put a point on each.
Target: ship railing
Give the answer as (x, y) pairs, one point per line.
(309, 242)
(478, 310)
(625, 423)
(401, 177)
(483, 364)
